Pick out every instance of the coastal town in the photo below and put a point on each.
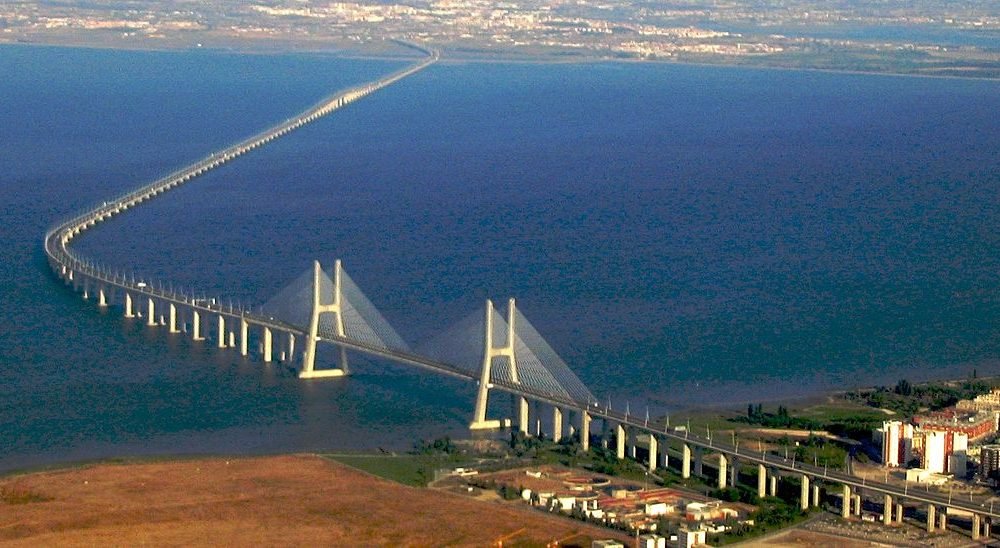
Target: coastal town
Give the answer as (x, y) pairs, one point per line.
(785, 34)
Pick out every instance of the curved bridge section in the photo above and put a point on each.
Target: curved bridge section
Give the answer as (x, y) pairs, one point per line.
(498, 353)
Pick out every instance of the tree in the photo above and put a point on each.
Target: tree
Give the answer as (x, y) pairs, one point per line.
(903, 388)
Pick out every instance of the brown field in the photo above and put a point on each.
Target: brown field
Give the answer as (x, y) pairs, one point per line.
(286, 500)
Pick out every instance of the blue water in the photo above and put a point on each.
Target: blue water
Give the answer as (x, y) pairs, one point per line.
(681, 235)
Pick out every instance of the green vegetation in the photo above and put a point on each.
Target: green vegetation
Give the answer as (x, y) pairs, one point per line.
(854, 424)
(908, 399)
(415, 468)
(19, 494)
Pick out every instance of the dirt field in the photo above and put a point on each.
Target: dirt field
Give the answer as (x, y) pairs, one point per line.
(287, 500)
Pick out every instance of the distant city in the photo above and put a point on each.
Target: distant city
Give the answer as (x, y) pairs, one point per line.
(923, 37)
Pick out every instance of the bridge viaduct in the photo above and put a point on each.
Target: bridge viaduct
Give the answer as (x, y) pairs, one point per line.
(273, 339)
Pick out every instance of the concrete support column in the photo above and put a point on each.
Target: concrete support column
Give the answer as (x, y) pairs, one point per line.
(291, 348)
(931, 511)
(172, 317)
(129, 313)
(522, 414)
(652, 453)
(102, 299)
(221, 338)
(804, 494)
(557, 425)
(899, 513)
(620, 436)
(845, 505)
(976, 526)
(734, 471)
(887, 510)
(538, 419)
(685, 461)
(987, 525)
(761, 481)
(699, 468)
(773, 483)
(86, 289)
(150, 312)
(857, 505)
(196, 326)
(943, 519)
(721, 483)
(267, 345)
(585, 430)
(232, 339)
(570, 426)
(815, 494)
(244, 336)
(665, 452)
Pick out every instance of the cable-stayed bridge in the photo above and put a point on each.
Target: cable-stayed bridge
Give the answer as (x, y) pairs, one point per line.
(498, 352)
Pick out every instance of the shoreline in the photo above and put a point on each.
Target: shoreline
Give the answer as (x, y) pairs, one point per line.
(450, 58)
(795, 403)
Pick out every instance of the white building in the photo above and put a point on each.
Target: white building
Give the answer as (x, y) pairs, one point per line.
(934, 452)
(958, 460)
(686, 538)
(652, 541)
(891, 439)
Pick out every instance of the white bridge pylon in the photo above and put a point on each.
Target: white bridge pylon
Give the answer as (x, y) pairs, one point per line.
(328, 308)
(479, 421)
(318, 307)
(506, 352)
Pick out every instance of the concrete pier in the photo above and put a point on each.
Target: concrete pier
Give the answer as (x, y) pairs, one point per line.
(685, 461)
(721, 483)
(845, 505)
(887, 510)
(652, 453)
(129, 313)
(699, 462)
(620, 436)
(899, 513)
(943, 519)
(244, 337)
(804, 493)
(976, 526)
(585, 419)
(220, 339)
(267, 345)
(521, 409)
(734, 471)
(196, 326)
(931, 511)
(557, 425)
(815, 493)
(172, 318)
(857, 505)
(150, 312)
(773, 483)
(761, 481)
(102, 299)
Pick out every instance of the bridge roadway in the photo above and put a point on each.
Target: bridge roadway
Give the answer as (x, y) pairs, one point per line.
(77, 270)
(770, 460)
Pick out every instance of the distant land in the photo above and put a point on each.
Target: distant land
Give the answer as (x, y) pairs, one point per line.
(924, 37)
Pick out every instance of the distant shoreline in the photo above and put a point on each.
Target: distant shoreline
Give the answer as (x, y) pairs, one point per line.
(452, 58)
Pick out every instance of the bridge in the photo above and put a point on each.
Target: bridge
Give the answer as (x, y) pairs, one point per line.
(498, 353)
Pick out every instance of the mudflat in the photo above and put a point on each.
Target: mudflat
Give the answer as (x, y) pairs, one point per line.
(281, 500)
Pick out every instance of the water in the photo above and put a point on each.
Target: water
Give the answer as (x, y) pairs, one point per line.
(681, 235)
